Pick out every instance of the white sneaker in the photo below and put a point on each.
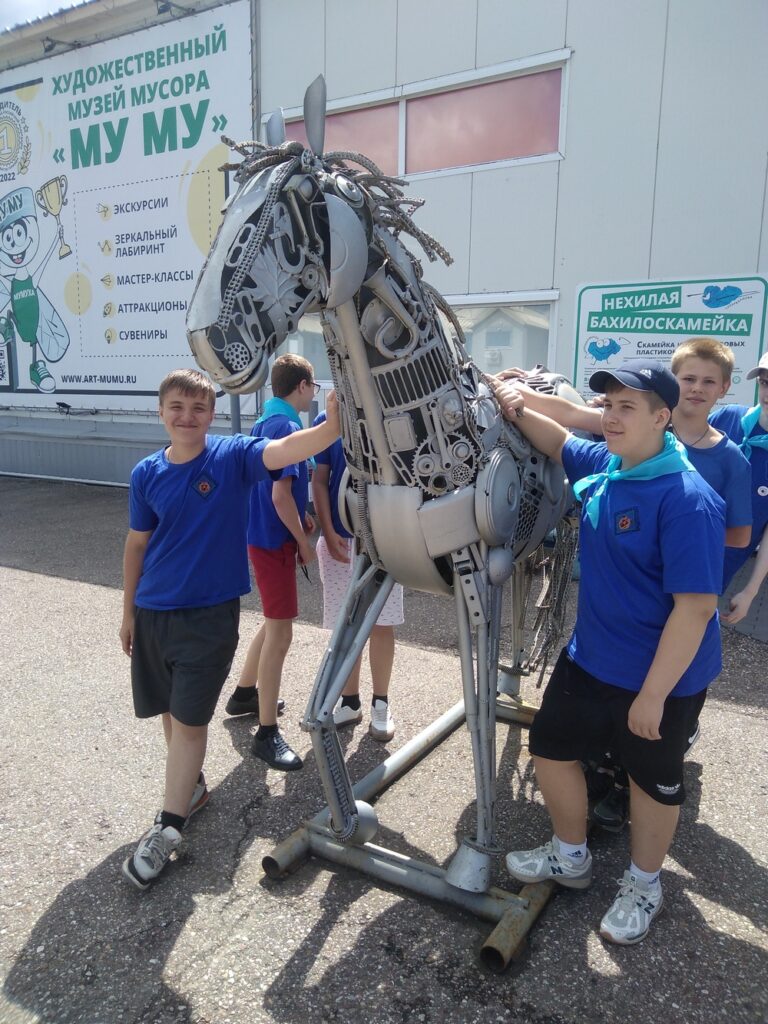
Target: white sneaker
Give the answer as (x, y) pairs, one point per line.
(152, 854)
(199, 797)
(547, 862)
(382, 726)
(631, 913)
(343, 714)
(694, 738)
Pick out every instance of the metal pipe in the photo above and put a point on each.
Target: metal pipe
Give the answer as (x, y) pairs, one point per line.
(288, 854)
(416, 876)
(507, 941)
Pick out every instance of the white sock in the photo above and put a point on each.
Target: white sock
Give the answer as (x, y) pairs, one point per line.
(649, 877)
(577, 852)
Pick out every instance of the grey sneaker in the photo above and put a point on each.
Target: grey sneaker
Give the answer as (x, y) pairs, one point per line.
(152, 854)
(547, 862)
(382, 726)
(631, 913)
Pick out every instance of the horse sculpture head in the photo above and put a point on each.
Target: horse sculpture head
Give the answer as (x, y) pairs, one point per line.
(294, 240)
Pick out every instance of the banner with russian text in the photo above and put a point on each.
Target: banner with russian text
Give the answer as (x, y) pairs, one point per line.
(620, 321)
(110, 196)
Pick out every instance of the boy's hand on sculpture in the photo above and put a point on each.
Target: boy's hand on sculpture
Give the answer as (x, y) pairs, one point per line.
(510, 399)
(645, 716)
(332, 411)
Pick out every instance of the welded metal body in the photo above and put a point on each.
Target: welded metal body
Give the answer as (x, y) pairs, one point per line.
(442, 494)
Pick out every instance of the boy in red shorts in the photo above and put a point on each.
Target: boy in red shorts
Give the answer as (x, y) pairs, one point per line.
(277, 539)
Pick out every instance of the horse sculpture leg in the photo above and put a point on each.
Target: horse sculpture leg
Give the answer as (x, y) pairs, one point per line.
(350, 821)
(478, 604)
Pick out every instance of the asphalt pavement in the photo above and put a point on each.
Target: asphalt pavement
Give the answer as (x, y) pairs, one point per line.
(215, 941)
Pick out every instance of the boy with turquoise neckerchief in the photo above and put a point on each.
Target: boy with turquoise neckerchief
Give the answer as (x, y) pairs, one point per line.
(278, 525)
(748, 428)
(646, 643)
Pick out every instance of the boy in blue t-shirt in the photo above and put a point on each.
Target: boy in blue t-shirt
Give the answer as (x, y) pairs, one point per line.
(646, 643)
(185, 569)
(748, 428)
(278, 525)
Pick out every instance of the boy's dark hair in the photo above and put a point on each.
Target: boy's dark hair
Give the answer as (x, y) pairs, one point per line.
(655, 402)
(705, 348)
(188, 382)
(288, 372)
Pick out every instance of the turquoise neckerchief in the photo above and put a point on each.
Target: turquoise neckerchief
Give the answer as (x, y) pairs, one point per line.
(278, 407)
(671, 459)
(748, 424)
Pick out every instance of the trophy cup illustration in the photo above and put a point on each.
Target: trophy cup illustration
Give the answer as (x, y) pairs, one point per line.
(50, 198)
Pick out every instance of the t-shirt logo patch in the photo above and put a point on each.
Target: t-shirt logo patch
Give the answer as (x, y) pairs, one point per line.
(204, 486)
(627, 521)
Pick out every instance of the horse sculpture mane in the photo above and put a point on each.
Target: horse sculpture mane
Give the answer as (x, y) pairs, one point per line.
(443, 495)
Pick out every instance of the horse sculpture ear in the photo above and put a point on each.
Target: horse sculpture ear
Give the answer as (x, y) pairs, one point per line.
(314, 115)
(274, 129)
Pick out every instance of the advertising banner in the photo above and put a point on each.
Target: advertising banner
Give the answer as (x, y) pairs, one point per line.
(619, 321)
(110, 195)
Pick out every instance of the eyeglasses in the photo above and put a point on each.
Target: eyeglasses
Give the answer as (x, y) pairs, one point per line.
(315, 385)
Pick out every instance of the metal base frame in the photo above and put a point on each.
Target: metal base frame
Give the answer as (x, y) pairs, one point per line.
(514, 915)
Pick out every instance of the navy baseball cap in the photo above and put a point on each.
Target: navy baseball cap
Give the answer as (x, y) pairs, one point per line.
(641, 375)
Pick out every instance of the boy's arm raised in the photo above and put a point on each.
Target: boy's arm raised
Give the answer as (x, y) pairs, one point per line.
(543, 433)
(567, 414)
(680, 640)
(303, 444)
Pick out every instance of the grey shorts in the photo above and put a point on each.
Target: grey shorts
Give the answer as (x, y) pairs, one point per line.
(181, 659)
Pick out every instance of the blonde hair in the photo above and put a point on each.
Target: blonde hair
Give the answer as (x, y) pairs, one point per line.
(188, 382)
(711, 349)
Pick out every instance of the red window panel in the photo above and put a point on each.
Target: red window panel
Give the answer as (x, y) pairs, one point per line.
(371, 131)
(514, 118)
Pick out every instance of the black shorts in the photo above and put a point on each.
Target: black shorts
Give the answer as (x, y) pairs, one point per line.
(181, 659)
(579, 714)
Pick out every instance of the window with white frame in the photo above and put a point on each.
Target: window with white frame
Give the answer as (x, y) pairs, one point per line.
(508, 113)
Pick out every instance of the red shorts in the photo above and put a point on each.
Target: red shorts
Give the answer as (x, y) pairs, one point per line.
(275, 572)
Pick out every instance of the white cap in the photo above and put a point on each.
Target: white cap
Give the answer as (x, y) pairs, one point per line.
(762, 367)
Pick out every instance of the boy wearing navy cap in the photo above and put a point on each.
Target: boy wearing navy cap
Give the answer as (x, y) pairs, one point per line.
(646, 643)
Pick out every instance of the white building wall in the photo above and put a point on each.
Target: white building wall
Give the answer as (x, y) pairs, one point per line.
(663, 172)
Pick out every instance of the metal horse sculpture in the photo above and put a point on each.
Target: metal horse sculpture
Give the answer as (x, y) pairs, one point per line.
(442, 495)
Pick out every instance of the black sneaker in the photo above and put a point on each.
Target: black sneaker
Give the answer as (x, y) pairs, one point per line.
(275, 751)
(612, 812)
(250, 706)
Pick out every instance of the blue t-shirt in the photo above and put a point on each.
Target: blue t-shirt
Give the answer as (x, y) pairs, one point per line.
(655, 538)
(198, 512)
(728, 420)
(333, 456)
(727, 471)
(265, 527)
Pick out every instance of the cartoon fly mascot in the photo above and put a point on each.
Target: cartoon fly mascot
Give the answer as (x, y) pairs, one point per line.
(36, 321)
